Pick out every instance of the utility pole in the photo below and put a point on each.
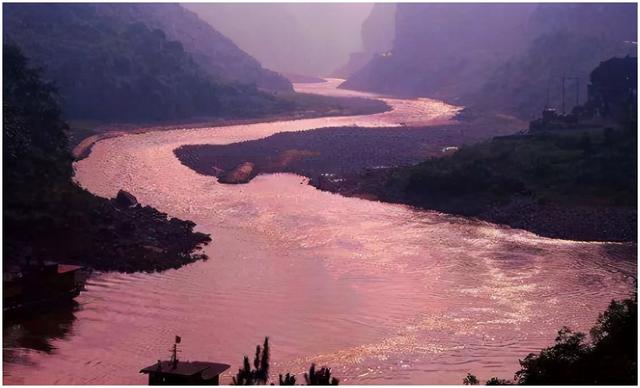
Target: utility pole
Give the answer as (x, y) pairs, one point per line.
(563, 77)
(546, 105)
(577, 84)
(174, 352)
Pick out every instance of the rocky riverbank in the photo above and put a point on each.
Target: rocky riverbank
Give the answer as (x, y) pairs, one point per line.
(339, 151)
(142, 238)
(83, 135)
(579, 223)
(566, 185)
(116, 234)
(47, 217)
(377, 164)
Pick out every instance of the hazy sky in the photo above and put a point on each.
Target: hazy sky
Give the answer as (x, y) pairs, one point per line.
(302, 38)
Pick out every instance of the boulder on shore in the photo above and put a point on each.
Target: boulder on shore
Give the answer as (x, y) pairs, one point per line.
(243, 173)
(126, 200)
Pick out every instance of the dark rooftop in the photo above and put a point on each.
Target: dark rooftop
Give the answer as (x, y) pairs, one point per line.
(186, 368)
(63, 268)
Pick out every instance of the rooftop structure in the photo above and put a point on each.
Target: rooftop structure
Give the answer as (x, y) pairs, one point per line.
(40, 285)
(176, 372)
(184, 373)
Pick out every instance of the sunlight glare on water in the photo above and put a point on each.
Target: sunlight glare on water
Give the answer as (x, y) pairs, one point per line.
(382, 293)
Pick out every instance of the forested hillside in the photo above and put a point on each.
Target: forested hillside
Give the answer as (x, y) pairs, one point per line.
(47, 217)
(108, 65)
(214, 52)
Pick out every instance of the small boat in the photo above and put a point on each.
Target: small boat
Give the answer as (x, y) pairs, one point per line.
(38, 286)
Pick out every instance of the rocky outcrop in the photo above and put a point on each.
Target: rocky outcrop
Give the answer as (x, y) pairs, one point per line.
(243, 173)
(125, 200)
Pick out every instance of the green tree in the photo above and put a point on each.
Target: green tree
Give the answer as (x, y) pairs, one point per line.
(610, 358)
(558, 363)
(34, 135)
(287, 379)
(320, 377)
(497, 381)
(260, 374)
(470, 380)
(42, 206)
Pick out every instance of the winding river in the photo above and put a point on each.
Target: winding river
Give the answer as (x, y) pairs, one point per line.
(382, 293)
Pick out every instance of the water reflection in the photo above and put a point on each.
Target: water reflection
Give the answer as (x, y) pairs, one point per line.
(381, 292)
(37, 330)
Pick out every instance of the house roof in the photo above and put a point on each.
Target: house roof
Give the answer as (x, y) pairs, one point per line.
(186, 368)
(62, 268)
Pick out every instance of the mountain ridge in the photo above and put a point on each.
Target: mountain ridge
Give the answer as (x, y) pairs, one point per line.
(476, 55)
(110, 66)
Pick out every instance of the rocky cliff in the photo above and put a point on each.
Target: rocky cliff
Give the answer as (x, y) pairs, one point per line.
(497, 56)
(565, 41)
(377, 33)
(441, 49)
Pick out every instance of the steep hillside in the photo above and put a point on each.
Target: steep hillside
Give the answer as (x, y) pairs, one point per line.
(214, 52)
(499, 56)
(109, 67)
(292, 38)
(441, 49)
(570, 40)
(48, 217)
(377, 37)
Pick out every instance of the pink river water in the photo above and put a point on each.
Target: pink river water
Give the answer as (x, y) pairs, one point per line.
(382, 293)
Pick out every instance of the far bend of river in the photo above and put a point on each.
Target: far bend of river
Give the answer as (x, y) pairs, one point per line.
(381, 293)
